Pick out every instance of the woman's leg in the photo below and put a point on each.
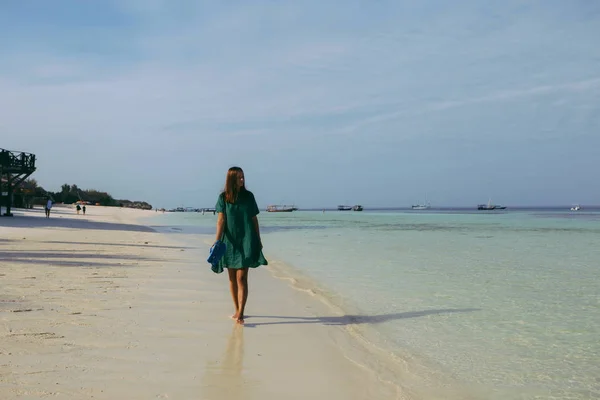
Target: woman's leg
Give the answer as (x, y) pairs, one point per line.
(233, 288)
(242, 284)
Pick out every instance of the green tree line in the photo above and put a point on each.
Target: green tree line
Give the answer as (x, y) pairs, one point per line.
(32, 193)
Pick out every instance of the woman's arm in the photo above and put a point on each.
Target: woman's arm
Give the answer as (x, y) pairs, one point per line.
(256, 227)
(220, 225)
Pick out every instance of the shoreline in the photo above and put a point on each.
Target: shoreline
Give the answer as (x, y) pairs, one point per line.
(109, 307)
(353, 331)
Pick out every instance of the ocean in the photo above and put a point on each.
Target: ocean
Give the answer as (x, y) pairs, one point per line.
(503, 304)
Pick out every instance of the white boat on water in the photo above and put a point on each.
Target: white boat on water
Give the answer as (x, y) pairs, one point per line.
(489, 206)
(576, 208)
(422, 206)
(281, 208)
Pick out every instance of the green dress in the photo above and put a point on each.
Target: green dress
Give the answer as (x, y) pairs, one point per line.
(243, 244)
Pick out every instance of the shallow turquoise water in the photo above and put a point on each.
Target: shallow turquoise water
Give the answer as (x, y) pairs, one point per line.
(508, 303)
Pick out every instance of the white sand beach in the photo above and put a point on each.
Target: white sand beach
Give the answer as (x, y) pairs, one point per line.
(100, 306)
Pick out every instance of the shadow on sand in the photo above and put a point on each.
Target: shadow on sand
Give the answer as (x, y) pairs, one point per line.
(354, 319)
(55, 221)
(72, 258)
(119, 244)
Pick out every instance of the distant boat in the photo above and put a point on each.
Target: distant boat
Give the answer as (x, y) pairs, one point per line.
(424, 206)
(576, 208)
(281, 208)
(185, 209)
(344, 208)
(489, 206)
(357, 207)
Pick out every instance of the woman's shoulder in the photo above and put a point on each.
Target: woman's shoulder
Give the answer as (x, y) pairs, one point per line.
(249, 196)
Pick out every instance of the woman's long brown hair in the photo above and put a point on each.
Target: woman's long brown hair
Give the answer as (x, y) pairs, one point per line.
(231, 187)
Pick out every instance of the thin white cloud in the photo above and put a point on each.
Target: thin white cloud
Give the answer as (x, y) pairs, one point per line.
(588, 84)
(291, 78)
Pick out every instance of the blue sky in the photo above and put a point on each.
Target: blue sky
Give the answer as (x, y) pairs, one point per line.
(321, 102)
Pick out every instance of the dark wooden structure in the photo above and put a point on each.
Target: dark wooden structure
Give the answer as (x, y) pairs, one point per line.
(15, 167)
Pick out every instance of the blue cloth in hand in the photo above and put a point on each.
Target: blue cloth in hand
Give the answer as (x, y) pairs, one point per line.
(216, 253)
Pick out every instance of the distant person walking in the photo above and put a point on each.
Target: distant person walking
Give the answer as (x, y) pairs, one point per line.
(48, 207)
(237, 227)
(78, 208)
(83, 209)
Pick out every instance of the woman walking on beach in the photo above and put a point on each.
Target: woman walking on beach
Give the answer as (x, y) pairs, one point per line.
(237, 227)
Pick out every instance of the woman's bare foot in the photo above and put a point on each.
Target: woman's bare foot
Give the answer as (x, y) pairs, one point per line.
(240, 320)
